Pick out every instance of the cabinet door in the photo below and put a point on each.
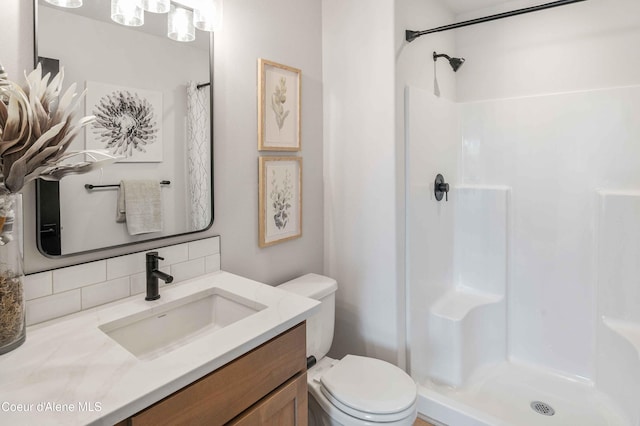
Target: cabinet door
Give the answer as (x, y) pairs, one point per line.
(286, 406)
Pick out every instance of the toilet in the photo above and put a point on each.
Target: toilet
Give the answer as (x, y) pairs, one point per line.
(355, 390)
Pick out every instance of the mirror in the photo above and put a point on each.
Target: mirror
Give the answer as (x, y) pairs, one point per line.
(138, 82)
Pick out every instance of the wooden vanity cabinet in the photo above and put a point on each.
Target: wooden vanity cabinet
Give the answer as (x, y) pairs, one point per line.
(266, 386)
(285, 406)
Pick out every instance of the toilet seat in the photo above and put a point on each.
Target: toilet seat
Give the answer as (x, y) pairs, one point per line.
(369, 389)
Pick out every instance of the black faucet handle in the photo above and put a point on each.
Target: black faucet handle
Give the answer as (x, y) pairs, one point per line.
(154, 255)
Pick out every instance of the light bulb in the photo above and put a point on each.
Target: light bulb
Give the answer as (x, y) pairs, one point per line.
(127, 12)
(207, 15)
(180, 24)
(156, 6)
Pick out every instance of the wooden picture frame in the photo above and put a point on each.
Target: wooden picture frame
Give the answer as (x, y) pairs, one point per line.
(280, 199)
(279, 106)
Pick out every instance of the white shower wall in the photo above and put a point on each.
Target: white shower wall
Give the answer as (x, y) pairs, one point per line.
(550, 111)
(546, 107)
(554, 152)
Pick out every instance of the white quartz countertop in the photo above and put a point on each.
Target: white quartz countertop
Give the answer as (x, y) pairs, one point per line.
(68, 372)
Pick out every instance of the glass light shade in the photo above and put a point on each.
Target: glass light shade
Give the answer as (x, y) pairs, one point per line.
(156, 6)
(127, 12)
(180, 24)
(207, 15)
(65, 3)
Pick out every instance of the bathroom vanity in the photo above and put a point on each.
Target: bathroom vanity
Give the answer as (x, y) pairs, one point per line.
(227, 349)
(265, 386)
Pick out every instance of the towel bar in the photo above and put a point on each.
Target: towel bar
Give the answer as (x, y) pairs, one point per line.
(89, 187)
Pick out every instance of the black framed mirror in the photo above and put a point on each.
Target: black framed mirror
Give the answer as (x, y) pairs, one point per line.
(166, 86)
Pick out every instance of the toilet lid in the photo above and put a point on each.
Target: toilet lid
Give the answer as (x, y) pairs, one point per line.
(369, 385)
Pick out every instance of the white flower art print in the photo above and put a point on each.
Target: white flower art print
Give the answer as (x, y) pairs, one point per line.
(279, 107)
(280, 199)
(128, 122)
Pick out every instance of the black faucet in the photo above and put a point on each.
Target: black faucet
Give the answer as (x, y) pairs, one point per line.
(153, 292)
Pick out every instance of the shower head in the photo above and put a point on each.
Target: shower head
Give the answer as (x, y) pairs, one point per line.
(455, 63)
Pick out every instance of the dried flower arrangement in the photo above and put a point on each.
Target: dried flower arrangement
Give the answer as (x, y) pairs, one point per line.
(37, 124)
(11, 309)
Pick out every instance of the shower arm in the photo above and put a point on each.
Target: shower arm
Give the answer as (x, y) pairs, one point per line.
(412, 35)
(441, 55)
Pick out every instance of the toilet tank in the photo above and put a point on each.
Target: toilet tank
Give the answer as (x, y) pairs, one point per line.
(320, 325)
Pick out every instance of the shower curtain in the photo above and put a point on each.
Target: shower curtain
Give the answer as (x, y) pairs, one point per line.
(198, 155)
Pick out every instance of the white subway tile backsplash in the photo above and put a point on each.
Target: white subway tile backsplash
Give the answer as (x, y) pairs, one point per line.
(212, 263)
(186, 270)
(67, 290)
(49, 307)
(138, 283)
(38, 285)
(108, 291)
(125, 265)
(77, 276)
(174, 254)
(203, 248)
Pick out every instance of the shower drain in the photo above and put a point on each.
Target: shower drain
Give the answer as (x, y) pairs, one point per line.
(542, 408)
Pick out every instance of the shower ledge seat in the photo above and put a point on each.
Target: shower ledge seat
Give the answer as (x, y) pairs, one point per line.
(456, 304)
(627, 329)
(469, 327)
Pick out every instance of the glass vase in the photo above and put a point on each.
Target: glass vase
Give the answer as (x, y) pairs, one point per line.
(12, 304)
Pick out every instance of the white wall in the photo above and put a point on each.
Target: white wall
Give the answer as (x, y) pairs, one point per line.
(360, 175)
(555, 151)
(252, 29)
(16, 37)
(583, 46)
(288, 32)
(414, 61)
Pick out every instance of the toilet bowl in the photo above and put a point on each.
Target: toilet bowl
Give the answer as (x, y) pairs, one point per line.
(355, 390)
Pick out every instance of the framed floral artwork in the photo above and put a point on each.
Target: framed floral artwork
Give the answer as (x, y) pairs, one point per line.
(280, 194)
(279, 91)
(128, 122)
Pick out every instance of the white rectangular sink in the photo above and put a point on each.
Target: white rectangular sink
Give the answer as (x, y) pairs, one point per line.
(159, 330)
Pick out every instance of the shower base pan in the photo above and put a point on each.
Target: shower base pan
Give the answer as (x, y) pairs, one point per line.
(511, 394)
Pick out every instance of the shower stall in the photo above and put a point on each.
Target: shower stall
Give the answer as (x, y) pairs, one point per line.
(523, 282)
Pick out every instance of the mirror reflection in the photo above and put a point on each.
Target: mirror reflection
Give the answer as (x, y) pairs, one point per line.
(152, 99)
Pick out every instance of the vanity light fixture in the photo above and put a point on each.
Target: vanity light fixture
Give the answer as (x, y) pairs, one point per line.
(180, 24)
(127, 12)
(184, 15)
(156, 6)
(66, 3)
(207, 16)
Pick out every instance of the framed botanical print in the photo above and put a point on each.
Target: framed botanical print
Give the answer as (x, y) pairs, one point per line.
(279, 98)
(280, 199)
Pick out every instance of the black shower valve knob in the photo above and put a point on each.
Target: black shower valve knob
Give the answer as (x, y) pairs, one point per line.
(440, 188)
(444, 187)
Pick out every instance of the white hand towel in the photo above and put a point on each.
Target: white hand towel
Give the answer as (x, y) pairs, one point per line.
(140, 205)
